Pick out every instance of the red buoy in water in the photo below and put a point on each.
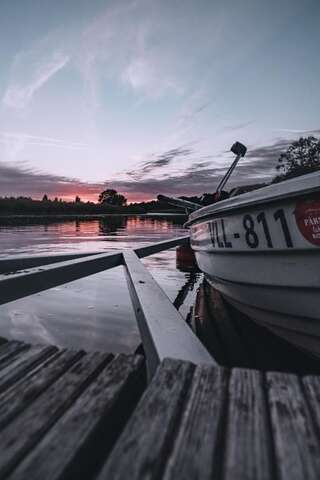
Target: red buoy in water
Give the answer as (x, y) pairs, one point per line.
(185, 259)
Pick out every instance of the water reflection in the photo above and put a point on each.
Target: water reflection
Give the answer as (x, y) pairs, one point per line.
(93, 313)
(107, 226)
(191, 280)
(27, 235)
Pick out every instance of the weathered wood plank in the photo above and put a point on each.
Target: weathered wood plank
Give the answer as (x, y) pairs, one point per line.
(24, 432)
(23, 392)
(248, 452)
(296, 444)
(197, 447)
(23, 363)
(89, 427)
(163, 330)
(4, 346)
(311, 386)
(10, 350)
(143, 447)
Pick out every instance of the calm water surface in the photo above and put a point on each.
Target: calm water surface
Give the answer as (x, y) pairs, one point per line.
(95, 312)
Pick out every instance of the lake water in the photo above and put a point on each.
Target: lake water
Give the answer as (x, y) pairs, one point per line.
(93, 313)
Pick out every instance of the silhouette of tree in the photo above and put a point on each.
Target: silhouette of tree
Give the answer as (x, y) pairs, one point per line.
(77, 199)
(301, 157)
(112, 197)
(45, 198)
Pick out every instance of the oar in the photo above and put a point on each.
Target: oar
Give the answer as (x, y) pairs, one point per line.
(179, 202)
(239, 150)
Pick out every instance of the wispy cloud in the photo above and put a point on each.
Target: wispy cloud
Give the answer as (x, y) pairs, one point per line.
(269, 152)
(199, 177)
(237, 126)
(299, 132)
(41, 141)
(143, 45)
(195, 181)
(19, 95)
(159, 161)
(198, 166)
(196, 103)
(14, 143)
(143, 75)
(17, 179)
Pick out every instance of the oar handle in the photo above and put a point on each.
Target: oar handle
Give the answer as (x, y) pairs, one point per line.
(239, 150)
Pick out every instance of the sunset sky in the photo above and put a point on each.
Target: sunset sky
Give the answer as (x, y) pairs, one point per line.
(147, 96)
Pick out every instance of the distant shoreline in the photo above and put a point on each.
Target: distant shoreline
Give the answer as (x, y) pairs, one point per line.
(11, 220)
(91, 215)
(24, 207)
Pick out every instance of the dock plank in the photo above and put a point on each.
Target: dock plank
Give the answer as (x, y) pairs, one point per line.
(67, 415)
(145, 443)
(197, 448)
(10, 350)
(311, 386)
(90, 427)
(247, 452)
(296, 444)
(23, 433)
(221, 432)
(25, 391)
(25, 361)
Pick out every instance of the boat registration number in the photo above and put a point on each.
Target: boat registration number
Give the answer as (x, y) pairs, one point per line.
(252, 235)
(294, 226)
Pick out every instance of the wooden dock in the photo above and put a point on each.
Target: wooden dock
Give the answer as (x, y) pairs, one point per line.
(62, 411)
(169, 413)
(69, 414)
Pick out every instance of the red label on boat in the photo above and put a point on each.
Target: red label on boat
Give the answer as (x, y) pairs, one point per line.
(308, 220)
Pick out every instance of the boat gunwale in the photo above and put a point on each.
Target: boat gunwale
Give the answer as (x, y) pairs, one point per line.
(276, 251)
(229, 206)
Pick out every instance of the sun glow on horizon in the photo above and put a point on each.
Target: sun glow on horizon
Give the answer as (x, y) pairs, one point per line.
(110, 97)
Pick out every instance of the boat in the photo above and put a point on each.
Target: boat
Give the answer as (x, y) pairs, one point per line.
(261, 251)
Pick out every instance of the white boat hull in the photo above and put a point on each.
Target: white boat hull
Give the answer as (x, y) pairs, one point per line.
(303, 331)
(265, 259)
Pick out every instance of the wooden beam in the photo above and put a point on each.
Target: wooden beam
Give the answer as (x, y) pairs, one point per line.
(142, 252)
(14, 263)
(163, 330)
(42, 277)
(22, 284)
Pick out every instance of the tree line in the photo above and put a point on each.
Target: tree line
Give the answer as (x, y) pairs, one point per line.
(108, 204)
(28, 206)
(301, 157)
